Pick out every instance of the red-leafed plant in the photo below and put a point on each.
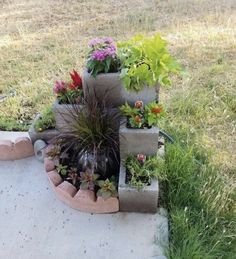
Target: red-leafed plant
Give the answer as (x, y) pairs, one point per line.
(69, 92)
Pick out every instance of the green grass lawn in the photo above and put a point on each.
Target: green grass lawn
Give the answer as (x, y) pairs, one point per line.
(40, 41)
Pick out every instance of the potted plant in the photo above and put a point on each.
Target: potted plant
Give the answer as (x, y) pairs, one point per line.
(138, 182)
(101, 75)
(43, 126)
(69, 96)
(133, 69)
(141, 125)
(91, 145)
(142, 116)
(145, 64)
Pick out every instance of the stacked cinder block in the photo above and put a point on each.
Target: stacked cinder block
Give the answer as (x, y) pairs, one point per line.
(136, 141)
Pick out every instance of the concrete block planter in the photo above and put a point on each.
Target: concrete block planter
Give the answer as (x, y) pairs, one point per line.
(45, 135)
(83, 200)
(111, 86)
(134, 200)
(64, 115)
(135, 141)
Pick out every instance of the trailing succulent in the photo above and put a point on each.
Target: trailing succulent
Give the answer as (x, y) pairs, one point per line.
(141, 116)
(141, 170)
(146, 61)
(45, 121)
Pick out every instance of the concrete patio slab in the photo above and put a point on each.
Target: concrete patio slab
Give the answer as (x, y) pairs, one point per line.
(35, 224)
(12, 135)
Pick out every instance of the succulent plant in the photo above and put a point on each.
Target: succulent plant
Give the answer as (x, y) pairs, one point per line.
(107, 189)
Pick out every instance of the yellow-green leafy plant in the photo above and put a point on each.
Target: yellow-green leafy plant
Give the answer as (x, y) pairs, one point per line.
(146, 61)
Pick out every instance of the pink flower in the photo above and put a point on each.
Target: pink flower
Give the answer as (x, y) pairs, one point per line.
(141, 158)
(59, 87)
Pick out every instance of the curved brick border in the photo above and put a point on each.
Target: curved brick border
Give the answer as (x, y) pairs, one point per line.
(20, 148)
(83, 200)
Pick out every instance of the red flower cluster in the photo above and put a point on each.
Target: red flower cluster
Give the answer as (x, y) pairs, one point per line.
(61, 87)
(76, 81)
(157, 109)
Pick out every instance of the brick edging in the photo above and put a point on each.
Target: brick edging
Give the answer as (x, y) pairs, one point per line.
(18, 149)
(82, 200)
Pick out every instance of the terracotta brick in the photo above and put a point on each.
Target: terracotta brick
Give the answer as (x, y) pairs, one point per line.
(6, 150)
(107, 206)
(66, 189)
(49, 148)
(49, 165)
(23, 148)
(54, 178)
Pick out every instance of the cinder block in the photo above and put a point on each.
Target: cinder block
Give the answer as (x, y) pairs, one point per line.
(110, 87)
(45, 135)
(65, 115)
(133, 200)
(135, 141)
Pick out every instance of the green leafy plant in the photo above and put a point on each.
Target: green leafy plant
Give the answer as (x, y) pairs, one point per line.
(141, 170)
(141, 116)
(88, 180)
(107, 189)
(146, 61)
(45, 121)
(62, 169)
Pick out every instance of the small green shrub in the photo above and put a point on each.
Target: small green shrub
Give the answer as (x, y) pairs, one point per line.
(141, 170)
(46, 120)
(146, 61)
(141, 116)
(107, 189)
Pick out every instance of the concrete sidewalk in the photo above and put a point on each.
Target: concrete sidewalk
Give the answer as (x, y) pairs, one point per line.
(34, 224)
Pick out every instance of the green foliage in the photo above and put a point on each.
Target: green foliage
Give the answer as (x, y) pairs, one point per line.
(201, 207)
(45, 121)
(142, 116)
(108, 65)
(71, 96)
(88, 180)
(62, 169)
(140, 174)
(146, 61)
(107, 189)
